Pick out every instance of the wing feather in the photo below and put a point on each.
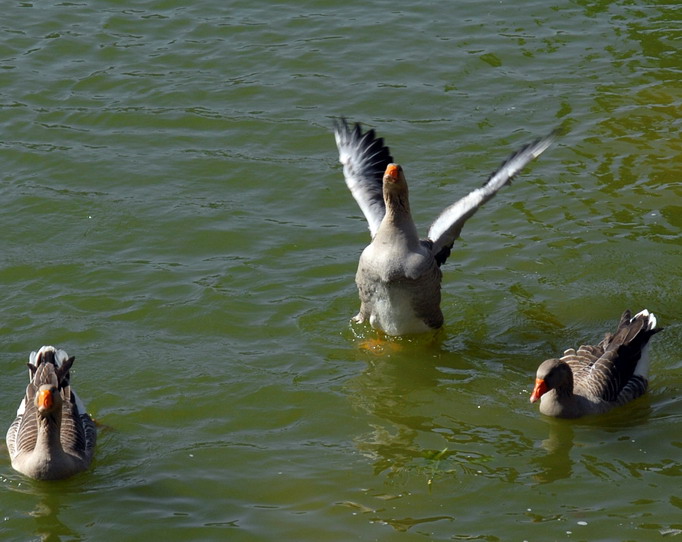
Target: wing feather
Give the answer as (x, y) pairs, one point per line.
(613, 377)
(78, 434)
(447, 227)
(364, 157)
(23, 433)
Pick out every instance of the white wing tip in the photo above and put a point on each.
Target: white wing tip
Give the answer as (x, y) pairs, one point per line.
(60, 356)
(543, 145)
(22, 407)
(650, 316)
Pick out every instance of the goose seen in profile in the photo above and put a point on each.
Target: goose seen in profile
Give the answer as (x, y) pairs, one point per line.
(52, 436)
(595, 379)
(399, 275)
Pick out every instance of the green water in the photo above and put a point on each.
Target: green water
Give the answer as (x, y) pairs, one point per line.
(173, 214)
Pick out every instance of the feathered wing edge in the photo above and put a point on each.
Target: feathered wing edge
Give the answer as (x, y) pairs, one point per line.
(618, 367)
(22, 434)
(78, 433)
(55, 356)
(365, 158)
(447, 227)
(11, 437)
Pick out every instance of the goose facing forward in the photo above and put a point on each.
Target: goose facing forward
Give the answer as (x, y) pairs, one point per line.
(595, 379)
(52, 436)
(399, 276)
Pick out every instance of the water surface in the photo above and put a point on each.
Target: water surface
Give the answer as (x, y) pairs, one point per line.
(173, 214)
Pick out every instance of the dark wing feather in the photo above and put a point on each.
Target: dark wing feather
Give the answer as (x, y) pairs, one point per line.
(62, 371)
(612, 376)
(364, 158)
(606, 378)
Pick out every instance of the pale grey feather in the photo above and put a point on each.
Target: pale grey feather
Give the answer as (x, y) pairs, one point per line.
(596, 378)
(447, 227)
(73, 450)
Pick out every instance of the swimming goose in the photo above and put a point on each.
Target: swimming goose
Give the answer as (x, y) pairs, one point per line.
(52, 436)
(399, 276)
(595, 379)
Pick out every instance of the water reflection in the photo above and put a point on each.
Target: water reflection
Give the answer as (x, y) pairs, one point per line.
(438, 414)
(388, 389)
(48, 525)
(605, 430)
(424, 418)
(556, 463)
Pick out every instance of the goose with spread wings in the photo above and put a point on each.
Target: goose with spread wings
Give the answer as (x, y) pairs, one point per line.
(399, 275)
(52, 436)
(595, 379)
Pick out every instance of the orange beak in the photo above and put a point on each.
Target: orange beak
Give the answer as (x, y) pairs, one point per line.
(392, 171)
(539, 390)
(45, 399)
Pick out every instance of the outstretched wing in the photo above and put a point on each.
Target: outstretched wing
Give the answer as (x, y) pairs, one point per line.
(447, 227)
(364, 158)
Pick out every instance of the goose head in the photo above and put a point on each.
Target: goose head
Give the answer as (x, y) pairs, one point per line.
(48, 400)
(395, 190)
(552, 374)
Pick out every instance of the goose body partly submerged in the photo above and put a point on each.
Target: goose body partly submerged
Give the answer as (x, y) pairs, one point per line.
(399, 276)
(595, 379)
(52, 436)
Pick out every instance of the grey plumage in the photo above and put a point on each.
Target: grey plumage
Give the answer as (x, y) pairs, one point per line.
(399, 276)
(595, 379)
(57, 440)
